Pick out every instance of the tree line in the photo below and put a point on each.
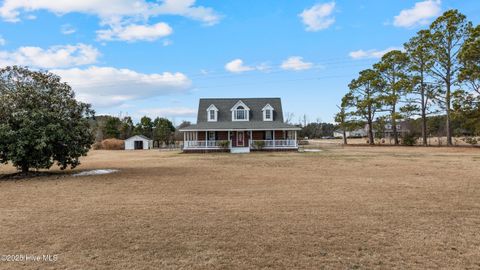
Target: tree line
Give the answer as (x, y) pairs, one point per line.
(160, 130)
(436, 74)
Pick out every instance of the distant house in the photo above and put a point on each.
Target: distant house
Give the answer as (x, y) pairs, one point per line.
(358, 133)
(138, 142)
(402, 129)
(239, 125)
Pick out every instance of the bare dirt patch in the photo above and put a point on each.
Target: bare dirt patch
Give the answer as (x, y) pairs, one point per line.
(344, 207)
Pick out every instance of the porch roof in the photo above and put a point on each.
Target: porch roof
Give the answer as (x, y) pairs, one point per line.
(247, 125)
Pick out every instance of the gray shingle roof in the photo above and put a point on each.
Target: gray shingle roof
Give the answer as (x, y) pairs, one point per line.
(224, 106)
(254, 125)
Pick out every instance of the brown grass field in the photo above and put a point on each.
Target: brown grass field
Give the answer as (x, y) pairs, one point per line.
(342, 208)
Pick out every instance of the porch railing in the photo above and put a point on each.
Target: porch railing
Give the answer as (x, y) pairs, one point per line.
(207, 144)
(273, 144)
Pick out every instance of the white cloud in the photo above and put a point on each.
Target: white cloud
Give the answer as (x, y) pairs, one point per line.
(237, 66)
(168, 112)
(318, 17)
(67, 29)
(111, 10)
(296, 63)
(420, 14)
(2, 41)
(120, 17)
(371, 54)
(109, 86)
(135, 32)
(53, 57)
(188, 9)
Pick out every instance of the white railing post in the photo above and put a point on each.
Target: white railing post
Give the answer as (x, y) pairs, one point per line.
(273, 138)
(295, 138)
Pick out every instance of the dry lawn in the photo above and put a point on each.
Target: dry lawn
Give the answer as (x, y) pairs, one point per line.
(342, 208)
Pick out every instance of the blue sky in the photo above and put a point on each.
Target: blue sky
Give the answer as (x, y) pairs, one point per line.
(158, 58)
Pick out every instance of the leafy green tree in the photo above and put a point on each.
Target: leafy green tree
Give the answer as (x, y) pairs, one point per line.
(447, 35)
(163, 130)
(112, 128)
(364, 98)
(41, 123)
(470, 59)
(392, 69)
(422, 92)
(126, 128)
(145, 127)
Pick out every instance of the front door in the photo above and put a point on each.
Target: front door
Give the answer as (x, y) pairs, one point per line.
(240, 138)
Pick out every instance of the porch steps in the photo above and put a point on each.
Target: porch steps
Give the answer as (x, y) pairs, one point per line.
(240, 150)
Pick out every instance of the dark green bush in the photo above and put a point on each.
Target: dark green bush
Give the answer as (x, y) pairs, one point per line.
(410, 139)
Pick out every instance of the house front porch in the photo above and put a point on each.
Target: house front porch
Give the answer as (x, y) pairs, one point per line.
(240, 140)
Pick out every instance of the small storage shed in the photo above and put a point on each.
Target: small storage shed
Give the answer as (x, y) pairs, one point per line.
(138, 142)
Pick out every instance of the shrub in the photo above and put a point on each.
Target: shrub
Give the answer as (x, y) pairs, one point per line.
(259, 145)
(471, 140)
(113, 144)
(410, 139)
(224, 144)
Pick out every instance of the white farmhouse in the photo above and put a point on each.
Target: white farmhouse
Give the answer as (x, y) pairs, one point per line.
(138, 142)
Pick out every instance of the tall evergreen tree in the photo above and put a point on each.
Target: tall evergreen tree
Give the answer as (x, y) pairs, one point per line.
(447, 35)
(420, 61)
(392, 69)
(365, 98)
(470, 60)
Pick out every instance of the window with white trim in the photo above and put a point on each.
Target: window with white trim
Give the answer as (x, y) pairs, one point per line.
(211, 135)
(268, 135)
(240, 113)
(267, 113)
(212, 113)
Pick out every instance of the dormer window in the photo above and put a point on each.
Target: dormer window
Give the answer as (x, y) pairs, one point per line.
(267, 113)
(240, 112)
(212, 113)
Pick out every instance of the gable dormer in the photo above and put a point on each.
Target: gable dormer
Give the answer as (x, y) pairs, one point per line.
(212, 113)
(240, 112)
(268, 113)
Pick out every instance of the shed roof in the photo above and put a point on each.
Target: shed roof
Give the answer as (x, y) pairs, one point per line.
(140, 136)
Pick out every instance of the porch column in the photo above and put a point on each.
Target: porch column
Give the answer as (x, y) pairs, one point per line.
(273, 136)
(228, 139)
(296, 138)
(206, 139)
(250, 139)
